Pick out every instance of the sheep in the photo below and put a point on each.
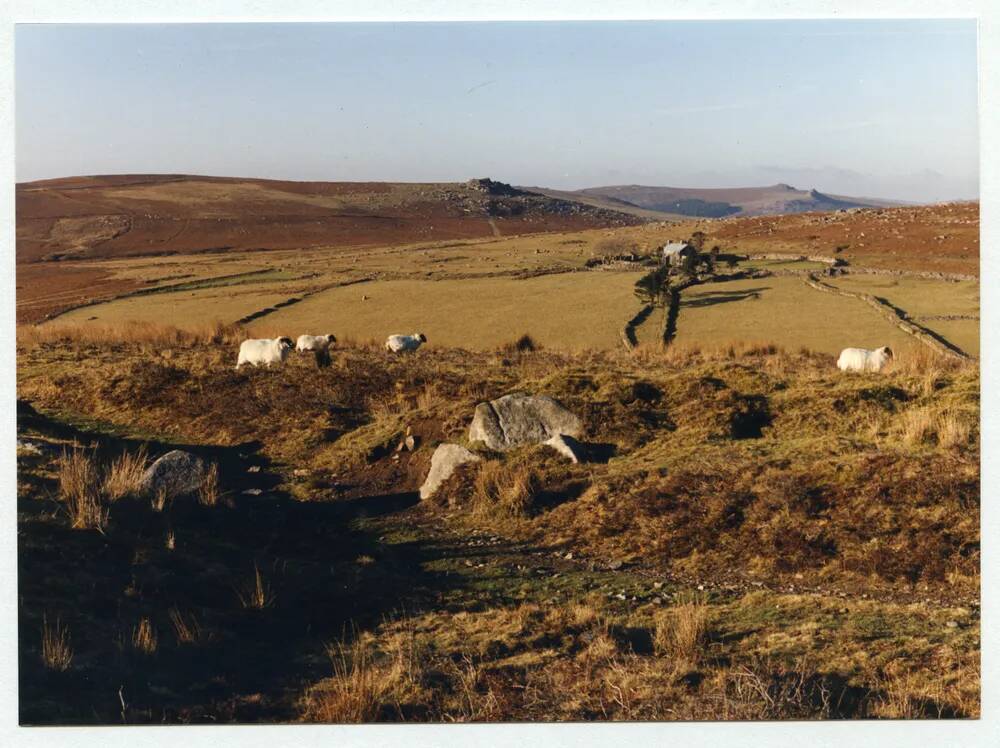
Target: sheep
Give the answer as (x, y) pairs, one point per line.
(265, 351)
(319, 345)
(400, 343)
(861, 359)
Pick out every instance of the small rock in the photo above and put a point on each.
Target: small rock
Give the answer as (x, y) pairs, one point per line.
(253, 492)
(444, 461)
(174, 474)
(614, 565)
(410, 442)
(952, 624)
(701, 587)
(620, 596)
(256, 469)
(657, 585)
(568, 557)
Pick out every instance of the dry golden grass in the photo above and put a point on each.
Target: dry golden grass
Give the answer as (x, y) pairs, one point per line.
(123, 477)
(128, 331)
(159, 500)
(79, 486)
(363, 687)
(144, 637)
(929, 424)
(256, 593)
(187, 630)
(208, 492)
(57, 654)
(681, 630)
(504, 488)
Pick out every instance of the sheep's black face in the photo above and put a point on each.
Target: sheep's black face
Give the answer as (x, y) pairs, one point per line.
(286, 342)
(331, 338)
(888, 351)
(423, 338)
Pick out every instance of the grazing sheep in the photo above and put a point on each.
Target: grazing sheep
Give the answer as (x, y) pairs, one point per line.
(400, 343)
(314, 342)
(318, 344)
(861, 359)
(265, 351)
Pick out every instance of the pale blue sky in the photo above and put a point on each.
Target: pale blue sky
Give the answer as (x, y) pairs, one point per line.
(876, 108)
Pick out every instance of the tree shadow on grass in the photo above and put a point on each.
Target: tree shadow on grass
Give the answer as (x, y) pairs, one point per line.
(712, 298)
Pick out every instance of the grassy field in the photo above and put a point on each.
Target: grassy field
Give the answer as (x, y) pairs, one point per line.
(927, 298)
(568, 311)
(786, 311)
(770, 539)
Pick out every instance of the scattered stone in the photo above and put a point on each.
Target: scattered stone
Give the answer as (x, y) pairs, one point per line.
(445, 459)
(568, 557)
(614, 565)
(176, 473)
(410, 442)
(657, 585)
(256, 469)
(28, 448)
(253, 492)
(520, 419)
(952, 624)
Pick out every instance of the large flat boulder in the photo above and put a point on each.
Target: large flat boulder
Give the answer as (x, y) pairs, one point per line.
(444, 461)
(518, 419)
(175, 474)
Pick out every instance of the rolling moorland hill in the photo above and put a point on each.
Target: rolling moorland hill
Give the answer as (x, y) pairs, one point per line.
(98, 217)
(714, 203)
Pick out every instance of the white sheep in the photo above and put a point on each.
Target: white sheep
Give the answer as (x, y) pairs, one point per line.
(319, 345)
(400, 343)
(314, 342)
(264, 351)
(861, 359)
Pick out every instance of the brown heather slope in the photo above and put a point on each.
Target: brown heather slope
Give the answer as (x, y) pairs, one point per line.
(929, 238)
(131, 215)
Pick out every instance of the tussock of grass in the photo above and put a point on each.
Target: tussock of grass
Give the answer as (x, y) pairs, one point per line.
(123, 476)
(57, 653)
(257, 593)
(208, 492)
(79, 486)
(680, 631)
(187, 630)
(144, 637)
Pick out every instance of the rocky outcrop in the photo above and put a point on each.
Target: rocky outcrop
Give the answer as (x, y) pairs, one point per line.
(444, 461)
(519, 419)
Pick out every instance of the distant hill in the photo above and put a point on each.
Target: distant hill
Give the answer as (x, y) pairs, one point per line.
(672, 202)
(149, 214)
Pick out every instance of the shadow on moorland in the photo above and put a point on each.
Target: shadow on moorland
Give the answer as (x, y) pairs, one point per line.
(320, 578)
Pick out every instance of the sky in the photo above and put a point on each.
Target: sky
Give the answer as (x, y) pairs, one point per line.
(861, 108)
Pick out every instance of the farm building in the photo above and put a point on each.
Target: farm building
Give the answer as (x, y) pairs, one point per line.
(675, 252)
